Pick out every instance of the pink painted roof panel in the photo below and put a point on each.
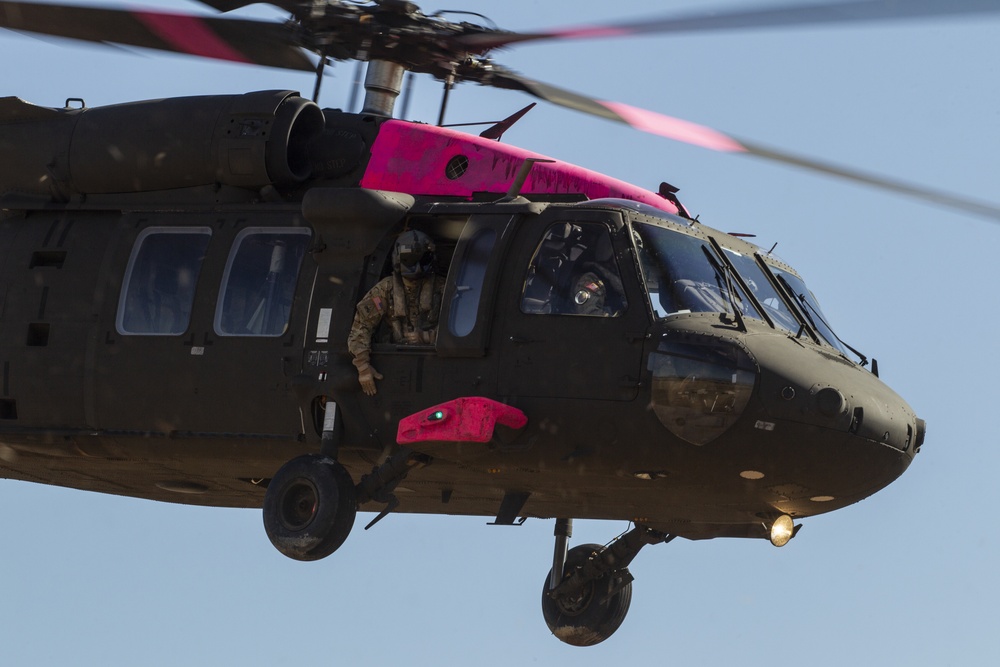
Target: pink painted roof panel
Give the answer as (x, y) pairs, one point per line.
(413, 158)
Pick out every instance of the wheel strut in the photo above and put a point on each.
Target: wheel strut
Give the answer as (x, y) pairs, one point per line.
(589, 589)
(563, 531)
(332, 431)
(616, 556)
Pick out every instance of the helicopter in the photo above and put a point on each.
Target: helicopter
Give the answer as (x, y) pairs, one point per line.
(716, 364)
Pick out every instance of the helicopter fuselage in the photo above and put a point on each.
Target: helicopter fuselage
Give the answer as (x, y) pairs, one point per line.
(174, 327)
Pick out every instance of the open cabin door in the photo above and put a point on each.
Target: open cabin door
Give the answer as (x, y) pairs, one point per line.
(419, 376)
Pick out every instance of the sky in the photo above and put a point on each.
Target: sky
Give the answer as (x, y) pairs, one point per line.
(908, 576)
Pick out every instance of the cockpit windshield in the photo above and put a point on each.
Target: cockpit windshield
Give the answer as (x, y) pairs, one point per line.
(809, 306)
(764, 290)
(686, 274)
(683, 274)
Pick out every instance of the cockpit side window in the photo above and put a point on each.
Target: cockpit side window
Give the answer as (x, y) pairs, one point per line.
(158, 291)
(574, 272)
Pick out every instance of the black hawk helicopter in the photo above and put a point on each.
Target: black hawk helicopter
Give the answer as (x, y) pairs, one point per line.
(219, 244)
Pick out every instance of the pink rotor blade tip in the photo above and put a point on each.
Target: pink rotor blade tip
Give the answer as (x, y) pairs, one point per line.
(675, 128)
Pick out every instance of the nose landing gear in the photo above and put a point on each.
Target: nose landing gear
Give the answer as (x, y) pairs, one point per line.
(589, 589)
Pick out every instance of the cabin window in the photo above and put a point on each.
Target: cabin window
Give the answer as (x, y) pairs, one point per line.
(469, 283)
(574, 272)
(158, 292)
(259, 281)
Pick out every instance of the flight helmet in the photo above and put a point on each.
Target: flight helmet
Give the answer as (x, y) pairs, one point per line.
(413, 255)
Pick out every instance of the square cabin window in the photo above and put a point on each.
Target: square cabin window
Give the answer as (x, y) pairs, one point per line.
(158, 291)
(259, 282)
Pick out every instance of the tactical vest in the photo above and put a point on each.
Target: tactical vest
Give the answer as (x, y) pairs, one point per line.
(424, 312)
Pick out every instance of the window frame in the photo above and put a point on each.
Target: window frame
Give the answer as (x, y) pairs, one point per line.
(531, 271)
(140, 240)
(224, 283)
(474, 342)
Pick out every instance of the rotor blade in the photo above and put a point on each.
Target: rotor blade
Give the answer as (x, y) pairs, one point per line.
(852, 11)
(290, 6)
(228, 5)
(706, 137)
(236, 40)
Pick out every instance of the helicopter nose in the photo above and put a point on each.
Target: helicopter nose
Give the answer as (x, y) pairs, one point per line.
(886, 422)
(836, 400)
(867, 411)
(827, 431)
(829, 394)
(833, 430)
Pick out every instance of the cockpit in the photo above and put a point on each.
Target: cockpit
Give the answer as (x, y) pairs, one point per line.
(690, 274)
(702, 382)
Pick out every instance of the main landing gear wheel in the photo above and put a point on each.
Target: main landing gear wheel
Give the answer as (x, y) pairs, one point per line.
(596, 610)
(309, 507)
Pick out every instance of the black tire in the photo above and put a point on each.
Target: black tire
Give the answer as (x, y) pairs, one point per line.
(309, 507)
(587, 619)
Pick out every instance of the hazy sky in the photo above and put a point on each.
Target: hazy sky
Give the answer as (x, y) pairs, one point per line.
(908, 576)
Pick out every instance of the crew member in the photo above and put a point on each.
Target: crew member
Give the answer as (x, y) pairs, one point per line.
(410, 298)
(589, 295)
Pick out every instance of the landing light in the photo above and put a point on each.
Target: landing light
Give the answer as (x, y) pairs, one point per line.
(782, 530)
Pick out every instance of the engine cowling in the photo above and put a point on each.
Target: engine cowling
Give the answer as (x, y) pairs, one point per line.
(248, 141)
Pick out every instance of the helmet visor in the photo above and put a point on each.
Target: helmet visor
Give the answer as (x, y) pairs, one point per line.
(415, 263)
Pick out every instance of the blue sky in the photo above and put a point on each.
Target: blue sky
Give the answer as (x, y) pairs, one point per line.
(908, 576)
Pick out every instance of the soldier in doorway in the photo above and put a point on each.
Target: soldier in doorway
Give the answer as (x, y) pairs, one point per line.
(410, 298)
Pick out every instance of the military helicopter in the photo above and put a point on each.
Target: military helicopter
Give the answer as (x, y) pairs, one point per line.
(220, 244)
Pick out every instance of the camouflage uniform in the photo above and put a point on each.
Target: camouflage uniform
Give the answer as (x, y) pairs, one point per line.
(412, 311)
(410, 298)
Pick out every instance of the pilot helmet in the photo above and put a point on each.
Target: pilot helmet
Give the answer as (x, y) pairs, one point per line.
(589, 295)
(413, 255)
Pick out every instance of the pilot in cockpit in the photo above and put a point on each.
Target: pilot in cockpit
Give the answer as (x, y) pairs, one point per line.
(574, 272)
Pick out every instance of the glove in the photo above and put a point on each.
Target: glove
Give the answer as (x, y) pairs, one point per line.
(366, 374)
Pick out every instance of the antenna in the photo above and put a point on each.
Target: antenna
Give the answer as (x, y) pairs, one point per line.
(407, 96)
(448, 83)
(498, 128)
(323, 62)
(352, 103)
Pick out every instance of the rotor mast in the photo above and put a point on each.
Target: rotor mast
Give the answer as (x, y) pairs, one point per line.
(383, 83)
